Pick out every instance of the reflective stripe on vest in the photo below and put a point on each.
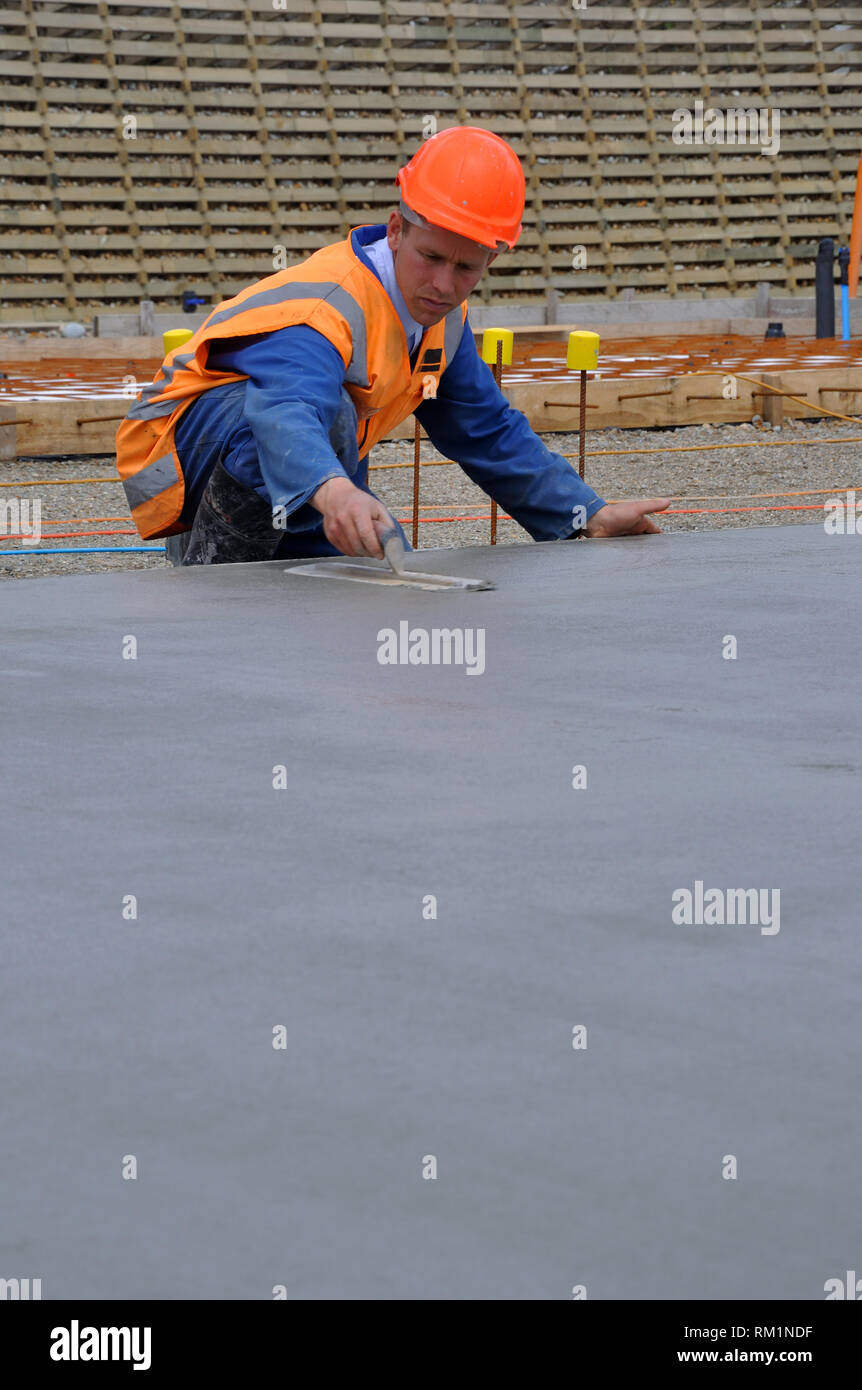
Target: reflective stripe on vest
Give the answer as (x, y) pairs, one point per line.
(357, 372)
(142, 410)
(148, 482)
(454, 328)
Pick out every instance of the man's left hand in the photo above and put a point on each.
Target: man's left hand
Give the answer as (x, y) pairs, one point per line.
(626, 518)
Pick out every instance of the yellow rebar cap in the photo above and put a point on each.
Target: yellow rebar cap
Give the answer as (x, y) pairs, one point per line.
(582, 354)
(490, 338)
(175, 337)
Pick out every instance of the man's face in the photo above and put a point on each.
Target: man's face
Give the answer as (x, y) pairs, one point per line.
(435, 269)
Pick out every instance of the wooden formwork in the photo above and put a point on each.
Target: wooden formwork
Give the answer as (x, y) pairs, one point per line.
(152, 148)
(81, 427)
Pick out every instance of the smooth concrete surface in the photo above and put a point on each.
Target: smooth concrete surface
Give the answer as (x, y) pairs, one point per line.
(410, 1037)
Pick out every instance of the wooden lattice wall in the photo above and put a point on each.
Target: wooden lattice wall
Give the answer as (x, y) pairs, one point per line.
(152, 148)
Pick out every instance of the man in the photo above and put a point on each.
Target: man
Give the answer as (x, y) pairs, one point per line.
(252, 443)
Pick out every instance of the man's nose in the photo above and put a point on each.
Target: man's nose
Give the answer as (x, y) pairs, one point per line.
(444, 281)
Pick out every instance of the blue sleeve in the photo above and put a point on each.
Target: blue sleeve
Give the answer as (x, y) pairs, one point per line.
(293, 396)
(471, 422)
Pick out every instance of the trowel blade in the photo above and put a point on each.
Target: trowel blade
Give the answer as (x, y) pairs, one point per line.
(372, 574)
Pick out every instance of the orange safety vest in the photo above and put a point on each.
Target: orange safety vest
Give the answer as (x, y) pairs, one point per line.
(332, 291)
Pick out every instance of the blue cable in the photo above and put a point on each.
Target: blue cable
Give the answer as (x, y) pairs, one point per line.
(87, 550)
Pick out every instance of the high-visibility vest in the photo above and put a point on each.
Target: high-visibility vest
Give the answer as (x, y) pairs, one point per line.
(334, 292)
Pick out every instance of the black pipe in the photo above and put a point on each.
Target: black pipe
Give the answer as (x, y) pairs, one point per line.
(824, 288)
(844, 279)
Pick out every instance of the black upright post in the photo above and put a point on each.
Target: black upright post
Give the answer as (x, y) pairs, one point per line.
(824, 288)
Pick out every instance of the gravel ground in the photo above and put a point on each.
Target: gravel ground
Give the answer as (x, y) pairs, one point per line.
(712, 478)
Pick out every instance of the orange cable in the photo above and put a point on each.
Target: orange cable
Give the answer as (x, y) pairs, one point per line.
(670, 511)
(62, 482)
(57, 535)
(669, 449)
(701, 448)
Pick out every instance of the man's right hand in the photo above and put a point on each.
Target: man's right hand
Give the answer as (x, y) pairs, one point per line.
(349, 517)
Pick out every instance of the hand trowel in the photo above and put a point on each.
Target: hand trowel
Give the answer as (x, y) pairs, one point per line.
(372, 572)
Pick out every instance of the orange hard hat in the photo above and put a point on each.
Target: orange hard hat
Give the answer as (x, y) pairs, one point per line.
(470, 182)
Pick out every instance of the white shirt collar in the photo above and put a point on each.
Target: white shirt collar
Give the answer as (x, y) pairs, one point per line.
(380, 255)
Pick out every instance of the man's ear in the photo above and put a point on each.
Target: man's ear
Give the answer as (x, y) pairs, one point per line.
(394, 230)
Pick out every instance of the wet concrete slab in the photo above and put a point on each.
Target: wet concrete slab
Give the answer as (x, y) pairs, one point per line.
(254, 832)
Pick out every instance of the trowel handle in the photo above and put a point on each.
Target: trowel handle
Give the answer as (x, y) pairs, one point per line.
(393, 547)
